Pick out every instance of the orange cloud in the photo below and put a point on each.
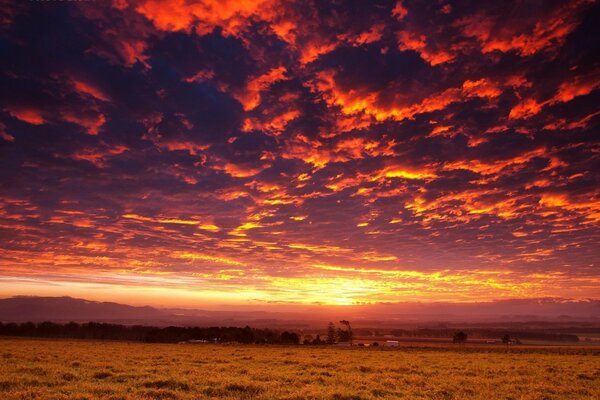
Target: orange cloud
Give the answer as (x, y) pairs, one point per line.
(496, 167)
(563, 124)
(353, 101)
(238, 171)
(581, 85)
(313, 50)
(204, 16)
(526, 37)
(275, 125)
(175, 221)
(250, 97)
(175, 145)
(588, 207)
(399, 10)
(372, 35)
(412, 41)
(525, 109)
(98, 157)
(404, 172)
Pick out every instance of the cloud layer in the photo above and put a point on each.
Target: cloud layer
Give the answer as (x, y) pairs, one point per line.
(279, 151)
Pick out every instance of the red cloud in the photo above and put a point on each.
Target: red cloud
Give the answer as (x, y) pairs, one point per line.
(90, 90)
(98, 156)
(91, 122)
(28, 115)
(5, 135)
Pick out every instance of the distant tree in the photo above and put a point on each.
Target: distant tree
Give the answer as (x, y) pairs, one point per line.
(289, 338)
(245, 335)
(331, 333)
(294, 338)
(460, 337)
(317, 340)
(506, 339)
(342, 335)
(375, 344)
(348, 335)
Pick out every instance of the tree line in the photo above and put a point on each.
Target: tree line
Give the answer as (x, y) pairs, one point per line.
(150, 334)
(488, 333)
(334, 335)
(175, 334)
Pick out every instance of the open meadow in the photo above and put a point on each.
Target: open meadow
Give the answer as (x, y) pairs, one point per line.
(67, 369)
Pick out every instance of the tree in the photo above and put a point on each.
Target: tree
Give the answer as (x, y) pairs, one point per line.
(289, 338)
(348, 334)
(506, 339)
(317, 340)
(342, 335)
(460, 337)
(331, 333)
(308, 339)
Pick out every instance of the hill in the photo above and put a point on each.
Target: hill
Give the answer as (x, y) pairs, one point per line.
(26, 308)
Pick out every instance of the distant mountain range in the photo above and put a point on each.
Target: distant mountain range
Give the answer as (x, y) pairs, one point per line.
(24, 308)
(65, 309)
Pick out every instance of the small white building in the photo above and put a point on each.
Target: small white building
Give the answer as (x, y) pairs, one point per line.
(391, 343)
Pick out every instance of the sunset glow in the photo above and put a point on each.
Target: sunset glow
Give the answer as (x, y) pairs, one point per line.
(208, 153)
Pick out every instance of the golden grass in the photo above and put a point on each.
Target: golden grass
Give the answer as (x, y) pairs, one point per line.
(57, 369)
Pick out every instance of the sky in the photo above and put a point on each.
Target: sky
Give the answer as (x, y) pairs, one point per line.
(236, 153)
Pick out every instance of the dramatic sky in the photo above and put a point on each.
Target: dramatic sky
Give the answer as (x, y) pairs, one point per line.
(336, 152)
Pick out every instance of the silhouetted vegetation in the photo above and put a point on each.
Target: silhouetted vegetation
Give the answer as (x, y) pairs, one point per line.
(460, 337)
(331, 333)
(345, 335)
(317, 340)
(289, 338)
(171, 334)
(490, 333)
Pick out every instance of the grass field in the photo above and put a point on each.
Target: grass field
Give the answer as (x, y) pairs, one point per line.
(56, 369)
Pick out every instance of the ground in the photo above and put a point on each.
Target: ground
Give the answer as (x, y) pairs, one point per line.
(66, 369)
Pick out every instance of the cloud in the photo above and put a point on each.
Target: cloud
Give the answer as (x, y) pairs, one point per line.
(523, 34)
(30, 116)
(333, 152)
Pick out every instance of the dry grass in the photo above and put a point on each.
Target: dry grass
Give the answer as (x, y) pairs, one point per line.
(55, 369)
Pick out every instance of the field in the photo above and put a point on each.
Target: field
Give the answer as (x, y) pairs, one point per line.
(57, 369)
